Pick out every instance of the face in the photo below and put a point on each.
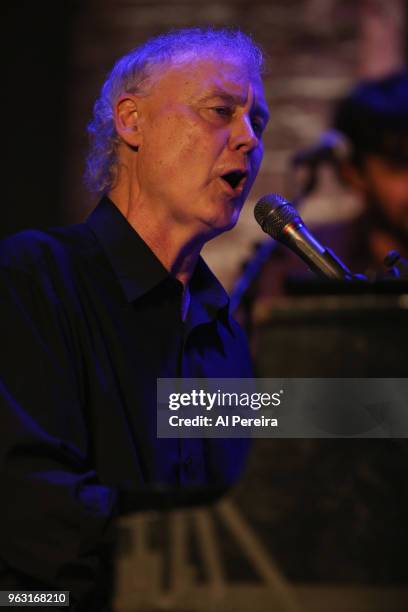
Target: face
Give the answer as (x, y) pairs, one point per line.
(386, 190)
(202, 120)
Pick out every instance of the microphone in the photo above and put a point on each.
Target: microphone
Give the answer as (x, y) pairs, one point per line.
(281, 221)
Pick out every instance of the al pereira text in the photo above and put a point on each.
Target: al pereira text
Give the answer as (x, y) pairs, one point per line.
(222, 421)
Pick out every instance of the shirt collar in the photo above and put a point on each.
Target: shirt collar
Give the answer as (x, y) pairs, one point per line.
(138, 270)
(135, 266)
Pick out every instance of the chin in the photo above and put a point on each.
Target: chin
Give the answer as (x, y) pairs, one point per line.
(221, 225)
(224, 217)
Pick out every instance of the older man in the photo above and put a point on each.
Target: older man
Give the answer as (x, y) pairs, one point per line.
(93, 314)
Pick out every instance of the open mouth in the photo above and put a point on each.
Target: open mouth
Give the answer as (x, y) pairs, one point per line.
(235, 178)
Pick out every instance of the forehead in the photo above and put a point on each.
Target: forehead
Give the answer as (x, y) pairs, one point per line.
(194, 79)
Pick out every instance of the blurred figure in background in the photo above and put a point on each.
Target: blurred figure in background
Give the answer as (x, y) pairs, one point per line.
(373, 120)
(350, 499)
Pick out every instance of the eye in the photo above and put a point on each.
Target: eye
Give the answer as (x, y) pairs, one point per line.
(224, 111)
(258, 126)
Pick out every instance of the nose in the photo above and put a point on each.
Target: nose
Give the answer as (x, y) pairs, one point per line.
(243, 137)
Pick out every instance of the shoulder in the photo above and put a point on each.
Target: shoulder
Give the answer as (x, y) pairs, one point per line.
(32, 251)
(47, 266)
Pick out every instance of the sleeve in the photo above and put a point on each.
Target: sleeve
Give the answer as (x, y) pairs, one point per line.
(56, 519)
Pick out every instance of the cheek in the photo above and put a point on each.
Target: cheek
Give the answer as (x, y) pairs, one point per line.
(179, 147)
(256, 160)
(392, 193)
(199, 146)
(390, 185)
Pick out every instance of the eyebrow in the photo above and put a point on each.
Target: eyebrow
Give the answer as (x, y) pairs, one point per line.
(260, 110)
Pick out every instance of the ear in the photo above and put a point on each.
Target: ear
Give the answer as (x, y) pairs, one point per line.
(126, 119)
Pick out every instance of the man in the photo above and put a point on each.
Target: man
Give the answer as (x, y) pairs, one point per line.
(93, 314)
(373, 118)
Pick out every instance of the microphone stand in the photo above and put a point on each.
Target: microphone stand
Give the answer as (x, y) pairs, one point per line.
(397, 266)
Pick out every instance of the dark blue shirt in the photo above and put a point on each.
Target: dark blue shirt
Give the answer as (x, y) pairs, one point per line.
(89, 320)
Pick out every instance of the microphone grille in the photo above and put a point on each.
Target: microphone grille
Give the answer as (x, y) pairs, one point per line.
(273, 212)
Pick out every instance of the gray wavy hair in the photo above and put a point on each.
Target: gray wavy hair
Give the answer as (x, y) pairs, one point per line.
(132, 69)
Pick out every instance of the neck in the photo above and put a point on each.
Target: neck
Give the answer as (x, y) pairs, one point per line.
(175, 247)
